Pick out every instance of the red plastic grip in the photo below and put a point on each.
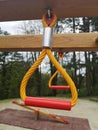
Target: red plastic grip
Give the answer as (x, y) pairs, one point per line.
(54, 87)
(48, 103)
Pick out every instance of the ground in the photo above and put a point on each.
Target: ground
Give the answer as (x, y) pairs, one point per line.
(84, 109)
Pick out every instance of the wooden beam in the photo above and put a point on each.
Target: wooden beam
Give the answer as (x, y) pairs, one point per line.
(12, 10)
(61, 42)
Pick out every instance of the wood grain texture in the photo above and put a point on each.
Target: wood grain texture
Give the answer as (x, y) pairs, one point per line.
(61, 42)
(12, 10)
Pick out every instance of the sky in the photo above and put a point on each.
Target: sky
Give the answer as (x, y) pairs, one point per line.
(11, 27)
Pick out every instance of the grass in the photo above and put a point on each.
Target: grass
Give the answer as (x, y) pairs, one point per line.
(7, 100)
(94, 99)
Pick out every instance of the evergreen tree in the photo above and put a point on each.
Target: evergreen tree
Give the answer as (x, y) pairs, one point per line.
(90, 59)
(11, 66)
(94, 23)
(3, 63)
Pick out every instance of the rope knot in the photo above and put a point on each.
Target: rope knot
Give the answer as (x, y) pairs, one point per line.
(49, 19)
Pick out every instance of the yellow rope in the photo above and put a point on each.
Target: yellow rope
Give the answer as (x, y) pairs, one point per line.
(58, 67)
(52, 77)
(29, 73)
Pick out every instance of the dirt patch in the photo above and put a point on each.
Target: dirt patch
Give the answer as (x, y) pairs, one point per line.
(84, 109)
(25, 119)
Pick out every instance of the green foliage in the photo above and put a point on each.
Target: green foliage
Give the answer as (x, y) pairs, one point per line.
(45, 91)
(82, 92)
(94, 23)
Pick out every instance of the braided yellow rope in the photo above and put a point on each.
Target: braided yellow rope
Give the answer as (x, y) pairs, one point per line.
(59, 69)
(29, 73)
(52, 77)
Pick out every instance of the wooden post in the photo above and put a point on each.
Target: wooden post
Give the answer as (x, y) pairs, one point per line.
(61, 42)
(12, 10)
(36, 114)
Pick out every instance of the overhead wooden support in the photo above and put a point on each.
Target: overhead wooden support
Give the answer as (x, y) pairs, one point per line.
(12, 10)
(61, 42)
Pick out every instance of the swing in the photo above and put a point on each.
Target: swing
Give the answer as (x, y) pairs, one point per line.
(49, 20)
(48, 102)
(55, 87)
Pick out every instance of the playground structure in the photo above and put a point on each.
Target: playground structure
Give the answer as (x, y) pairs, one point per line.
(89, 42)
(49, 20)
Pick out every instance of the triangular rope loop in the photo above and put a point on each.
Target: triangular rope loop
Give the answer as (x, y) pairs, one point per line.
(47, 102)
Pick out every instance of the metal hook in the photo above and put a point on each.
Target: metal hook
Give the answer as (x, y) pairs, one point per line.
(49, 13)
